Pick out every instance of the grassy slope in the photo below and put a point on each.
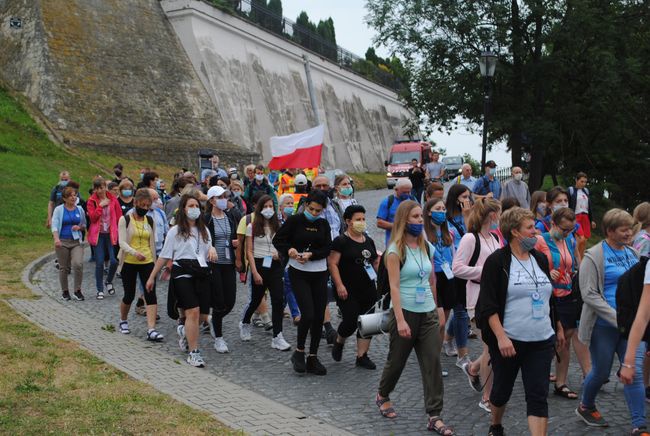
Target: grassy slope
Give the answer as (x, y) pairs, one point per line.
(48, 384)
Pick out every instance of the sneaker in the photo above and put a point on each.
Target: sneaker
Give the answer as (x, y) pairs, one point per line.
(591, 417)
(471, 334)
(182, 340)
(204, 328)
(474, 380)
(365, 362)
(124, 328)
(314, 366)
(221, 345)
(337, 351)
(330, 336)
(78, 295)
(194, 358)
(266, 322)
(298, 361)
(65, 295)
(445, 373)
(245, 332)
(100, 295)
(449, 347)
(256, 320)
(496, 430)
(212, 332)
(462, 361)
(109, 288)
(279, 343)
(485, 405)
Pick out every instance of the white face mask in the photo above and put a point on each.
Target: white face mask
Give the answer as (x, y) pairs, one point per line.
(268, 213)
(222, 203)
(518, 176)
(193, 213)
(259, 177)
(158, 204)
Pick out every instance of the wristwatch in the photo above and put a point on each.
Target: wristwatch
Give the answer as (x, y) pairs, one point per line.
(625, 365)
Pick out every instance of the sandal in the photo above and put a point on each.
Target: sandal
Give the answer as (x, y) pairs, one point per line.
(124, 328)
(110, 289)
(552, 378)
(444, 430)
(564, 391)
(154, 336)
(388, 412)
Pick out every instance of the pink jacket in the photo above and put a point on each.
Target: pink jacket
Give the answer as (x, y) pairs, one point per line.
(95, 214)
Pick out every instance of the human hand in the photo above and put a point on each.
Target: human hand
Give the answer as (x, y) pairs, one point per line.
(555, 275)
(342, 292)
(105, 202)
(140, 256)
(627, 375)
(403, 329)
(212, 254)
(76, 228)
(235, 243)
(150, 284)
(57, 243)
(505, 347)
(257, 278)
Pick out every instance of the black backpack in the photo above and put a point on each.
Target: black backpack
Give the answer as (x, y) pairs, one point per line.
(383, 283)
(628, 297)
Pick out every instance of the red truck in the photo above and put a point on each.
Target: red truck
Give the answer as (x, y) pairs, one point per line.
(400, 156)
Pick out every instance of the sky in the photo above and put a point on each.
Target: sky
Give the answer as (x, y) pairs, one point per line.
(353, 34)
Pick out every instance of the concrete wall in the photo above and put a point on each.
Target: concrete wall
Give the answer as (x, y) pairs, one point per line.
(257, 83)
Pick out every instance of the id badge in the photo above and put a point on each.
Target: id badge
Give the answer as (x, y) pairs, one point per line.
(447, 270)
(538, 306)
(266, 263)
(201, 260)
(372, 275)
(227, 253)
(420, 295)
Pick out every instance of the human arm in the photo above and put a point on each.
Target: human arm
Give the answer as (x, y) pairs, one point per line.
(443, 167)
(333, 264)
(636, 335)
(322, 251)
(123, 237)
(393, 268)
(383, 214)
(151, 281)
(505, 344)
(591, 295)
(383, 224)
(283, 241)
(50, 210)
(257, 278)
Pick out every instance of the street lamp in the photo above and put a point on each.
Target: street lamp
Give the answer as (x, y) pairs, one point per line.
(487, 63)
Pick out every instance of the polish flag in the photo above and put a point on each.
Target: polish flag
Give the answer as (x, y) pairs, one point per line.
(298, 150)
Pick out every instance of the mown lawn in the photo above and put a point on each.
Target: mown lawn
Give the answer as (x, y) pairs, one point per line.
(49, 385)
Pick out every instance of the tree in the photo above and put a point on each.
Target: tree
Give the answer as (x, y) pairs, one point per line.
(258, 12)
(371, 56)
(275, 16)
(325, 30)
(564, 67)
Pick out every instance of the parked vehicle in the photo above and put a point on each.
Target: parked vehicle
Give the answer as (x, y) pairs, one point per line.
(454, 165)
(400, 156)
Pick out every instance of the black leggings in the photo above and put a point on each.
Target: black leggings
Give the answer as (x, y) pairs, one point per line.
(223, 277)
(350, 311)
(130, 273)
(271, 279)
(310, 289)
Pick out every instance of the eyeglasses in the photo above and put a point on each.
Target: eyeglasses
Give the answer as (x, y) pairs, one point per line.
(566, 231)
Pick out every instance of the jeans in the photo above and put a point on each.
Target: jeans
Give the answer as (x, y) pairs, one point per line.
(289, 297)
(605, 341)
(104, 246)
(458, 327)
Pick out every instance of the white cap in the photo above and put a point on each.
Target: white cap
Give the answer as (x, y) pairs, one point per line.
(300, 180)
(215, 191)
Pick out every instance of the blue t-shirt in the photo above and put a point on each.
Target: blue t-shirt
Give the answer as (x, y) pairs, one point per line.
(616, 263)
(388, 215)
(460, 224)
(484, 186)
(444, 253)
(70, 218)
(415, 274)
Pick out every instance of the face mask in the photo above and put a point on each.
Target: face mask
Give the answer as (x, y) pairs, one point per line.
(127, 192)
(541, 209)
(559, 206)
(288, 211)
(267, 213)
(236, 193)
(140, 211)
(141, 176)
(404, 197)
(347, 191)
(494, 225)
(221, 203)
(193, 213)
(118, 173)
(234, 176)
(518, 176)
(359, 226)
(157, 184)
(310, 217)
(414, 229)
(438, 217)
(157, 204)
(63, 183)
(259, 177)
(528, 244)
(558, 235)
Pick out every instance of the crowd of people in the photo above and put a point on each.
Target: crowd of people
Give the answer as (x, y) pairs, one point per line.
(514, 263)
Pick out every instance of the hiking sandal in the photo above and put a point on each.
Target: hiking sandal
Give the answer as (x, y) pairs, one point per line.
(110, 289)
(443, 430)
(565, 392)
(124, 328)
(388, 412)
(154, 336)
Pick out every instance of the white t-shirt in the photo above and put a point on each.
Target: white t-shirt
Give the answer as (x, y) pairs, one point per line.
(646, 279)
(582, 202)
(177, 247)
(528, 286)
(262, 245)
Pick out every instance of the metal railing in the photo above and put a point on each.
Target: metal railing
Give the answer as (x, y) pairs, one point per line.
(287, 29)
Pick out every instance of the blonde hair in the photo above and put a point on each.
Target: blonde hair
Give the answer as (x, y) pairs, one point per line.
(512, 219)
(124, 183)
(235, 182)
(397, 235)
(482, 208)
(615, 218)
(641, 216)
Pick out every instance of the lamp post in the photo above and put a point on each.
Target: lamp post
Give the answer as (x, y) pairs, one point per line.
(487, 62)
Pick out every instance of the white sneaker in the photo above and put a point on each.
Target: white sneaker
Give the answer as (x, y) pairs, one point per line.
(485, 405)
(449, 347)
(266, 321)
(461, 361)
(182, 340)
(195, 359)
(245, 332)
(221, 345)
(279, 343)
(212, 333)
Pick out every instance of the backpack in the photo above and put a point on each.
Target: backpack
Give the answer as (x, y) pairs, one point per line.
(391, 200)
(127, 220)
(472, 262)
(628, 297)
(383, 283)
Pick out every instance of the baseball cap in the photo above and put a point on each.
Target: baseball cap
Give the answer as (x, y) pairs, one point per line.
(215, 191)
(300, 179)
(491, 164)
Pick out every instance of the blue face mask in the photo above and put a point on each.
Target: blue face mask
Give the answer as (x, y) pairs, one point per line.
(310, 217)
(63, 183)
(127, 192)
(347, 191)
(438, 217)
(404, 197)
(288, 211)
(157, 184)
(414, 229)
(494, 225)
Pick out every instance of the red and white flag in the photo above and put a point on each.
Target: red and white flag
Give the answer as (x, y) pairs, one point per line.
(298, 150)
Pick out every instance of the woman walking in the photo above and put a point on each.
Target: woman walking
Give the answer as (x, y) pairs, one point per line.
(414, 319)
(68, 223)
(285, 210)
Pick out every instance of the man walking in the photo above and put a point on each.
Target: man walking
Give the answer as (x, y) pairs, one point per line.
(416, 176)
(389, 205)
(516, 188)
(435, 170)
(488, 185)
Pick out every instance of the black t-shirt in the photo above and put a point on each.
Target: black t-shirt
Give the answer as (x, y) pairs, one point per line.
(354, 257)
(125, 206)
(56, 195)
(416, 176)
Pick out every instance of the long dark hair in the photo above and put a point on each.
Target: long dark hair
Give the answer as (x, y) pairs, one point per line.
(183, 223)
(260, 222)
(429, 226)
(453, 208)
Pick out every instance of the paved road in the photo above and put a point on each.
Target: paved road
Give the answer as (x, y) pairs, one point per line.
(343, 398)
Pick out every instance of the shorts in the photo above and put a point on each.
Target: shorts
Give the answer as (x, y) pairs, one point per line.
(566, 309)
(585, 225)
(192, 292)
(446, 291)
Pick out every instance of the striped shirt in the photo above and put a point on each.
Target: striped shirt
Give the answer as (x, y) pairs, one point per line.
(221, 240)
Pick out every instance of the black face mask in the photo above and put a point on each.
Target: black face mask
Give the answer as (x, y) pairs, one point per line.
(118, 173)
(328, 192)
(141, 212)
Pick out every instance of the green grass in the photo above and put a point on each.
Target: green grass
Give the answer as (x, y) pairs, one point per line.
(48, 385)
(369, 181)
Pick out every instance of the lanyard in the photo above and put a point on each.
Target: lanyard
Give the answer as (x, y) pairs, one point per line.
(533, 276)
(420, 264)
